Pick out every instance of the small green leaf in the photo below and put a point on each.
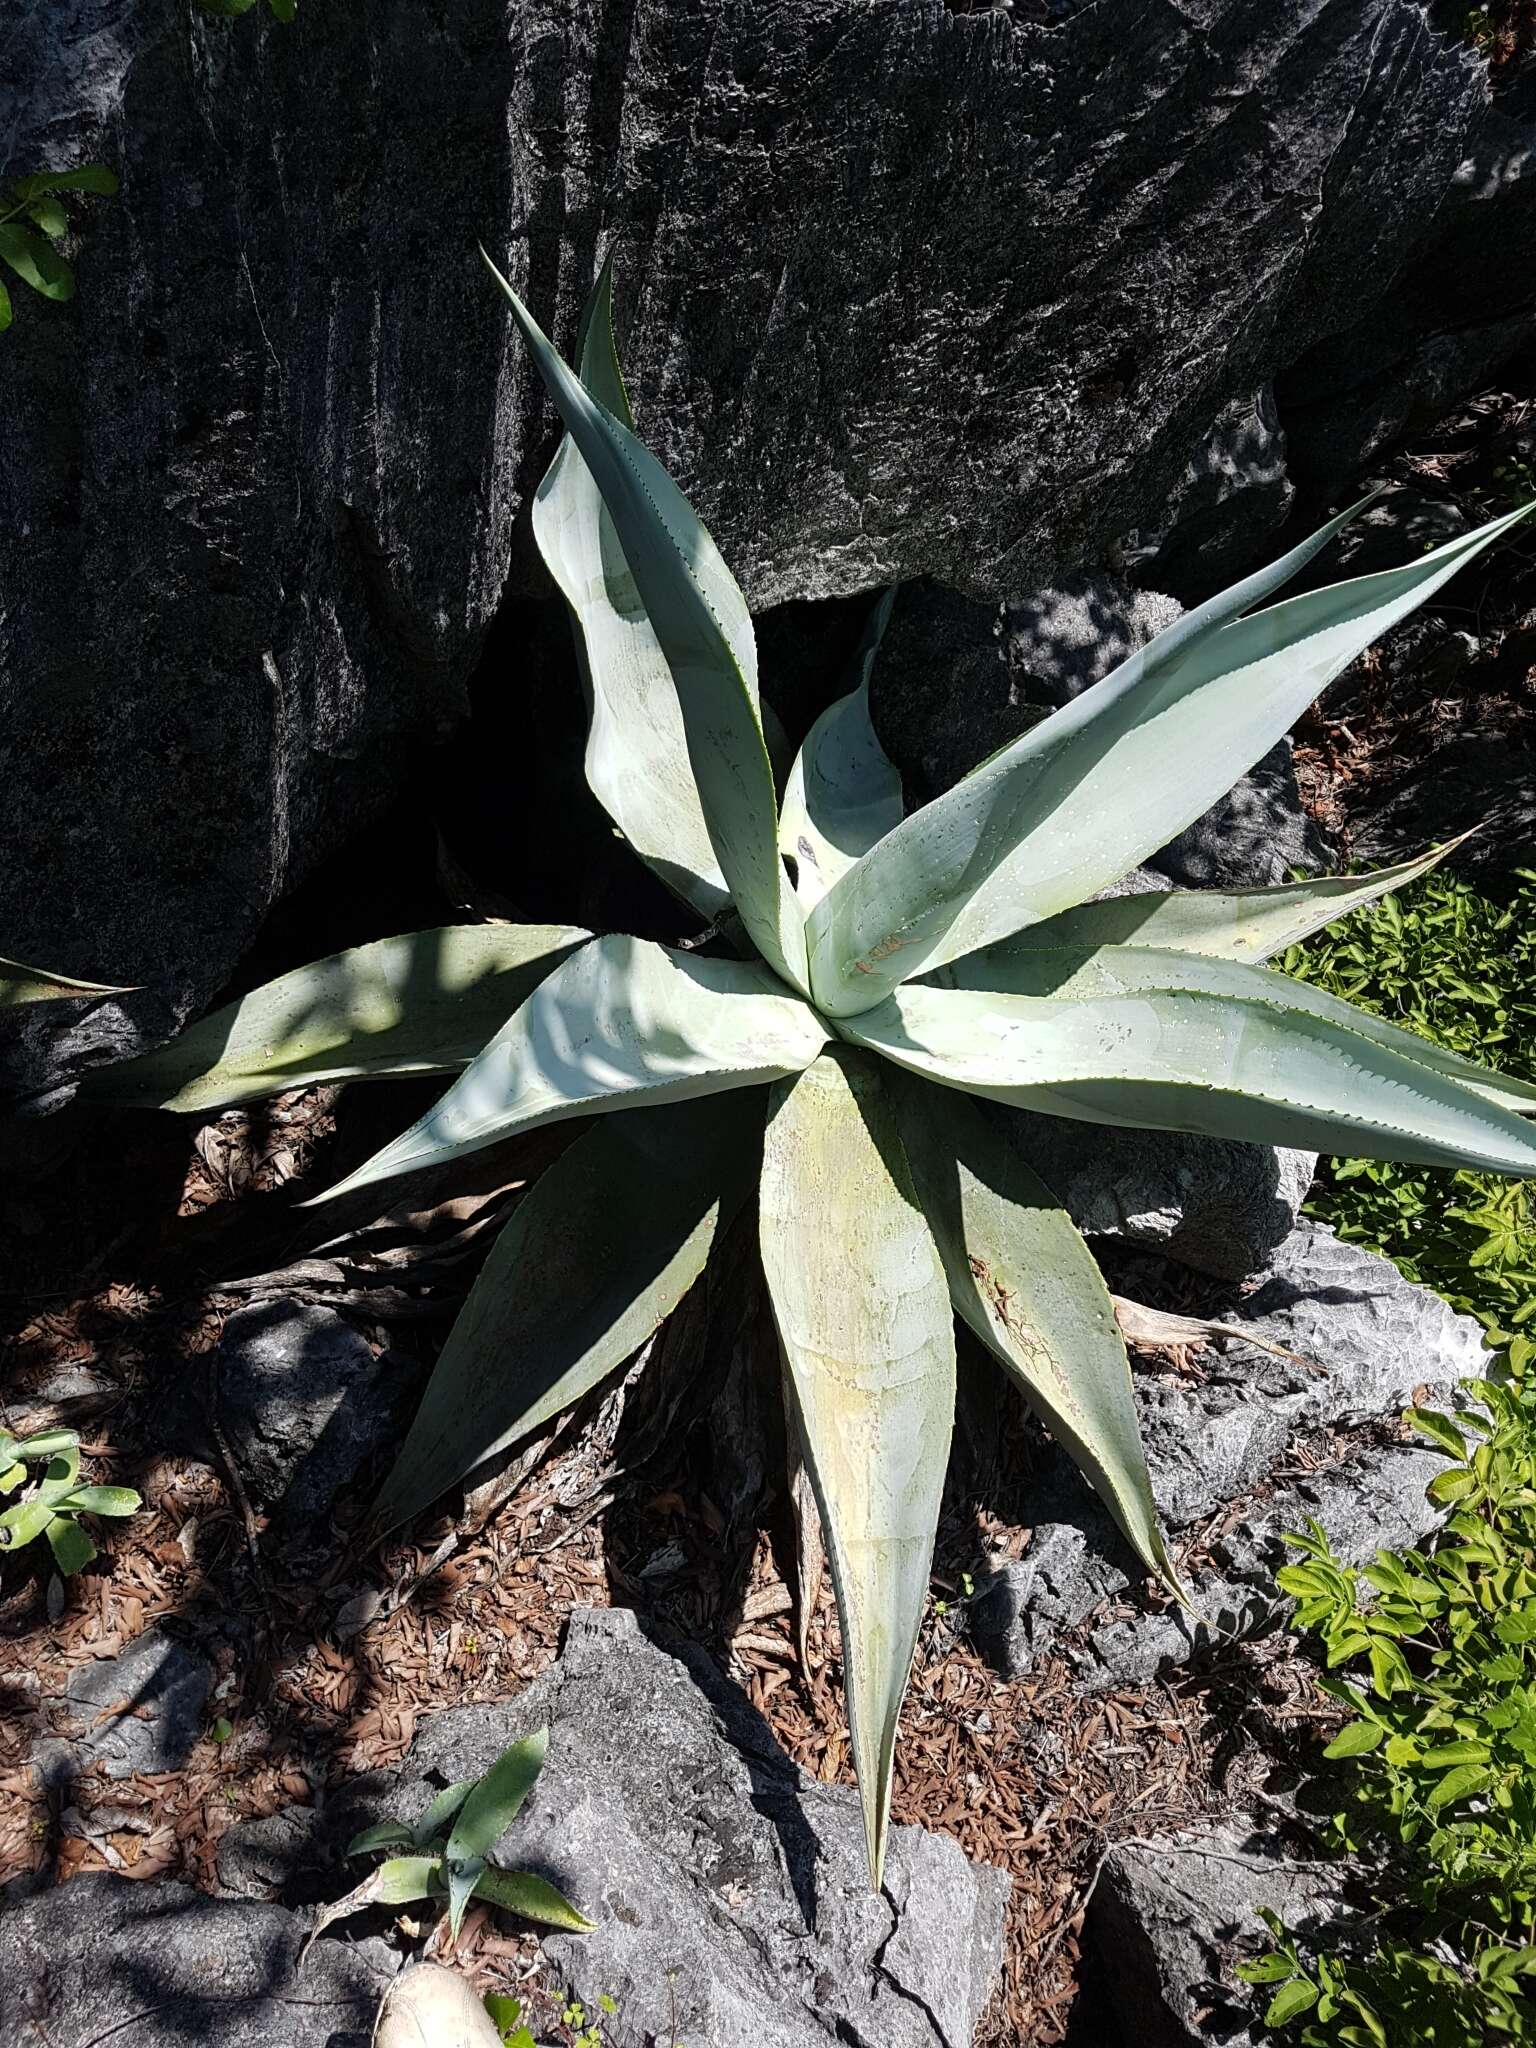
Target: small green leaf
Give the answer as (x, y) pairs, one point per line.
(1457, 1784)
(35, 262)
(1358, 1739)
(49, 216)
(95, 178)
(503, 2012)
(1271, 1969)
(1439, 1429)
(1290, 2001)
(222, 1730)
(72, 1548)
(284, 10)
(6, 315)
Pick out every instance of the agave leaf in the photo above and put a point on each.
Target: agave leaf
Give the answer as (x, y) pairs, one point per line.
(439, 1814)
(637, 752)
(24, 1522)
(399, 1882)
(1077, 801)
(387, 1834)
(596, 1256)
(496, 1800)
(864, 1318)
(72, 1548)
(1019, 969)
(843, 795)
(47, 1443)
(680, 576)
(20, 984)
(1240, 924)
(533, 1898)
(1026, 1283)
(1215, 1065)
(421, 1004)
(623, 1023)
(462, 1879)
(102, 1500)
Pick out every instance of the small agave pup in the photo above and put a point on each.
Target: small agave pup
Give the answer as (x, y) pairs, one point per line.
(889, 967)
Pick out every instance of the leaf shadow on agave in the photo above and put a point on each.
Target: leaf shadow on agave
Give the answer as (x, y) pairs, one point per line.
(871, 973)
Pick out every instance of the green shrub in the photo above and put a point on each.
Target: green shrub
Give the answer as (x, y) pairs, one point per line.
(1433, 1653)
(1450, 964)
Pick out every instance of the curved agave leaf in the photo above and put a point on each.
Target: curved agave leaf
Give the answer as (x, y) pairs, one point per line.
(1218, 1066)
(1022, 1277)
(1062, 973)
(843, 795)
(20, 984)
(679, 575)
(596, 1256)
(533, 1898)
(622, 1023)
(1237, 924)
(496, 1800)
(421, 1004)
(399, 1882)
(637, 753)
(1077, 801)
(864, 1317)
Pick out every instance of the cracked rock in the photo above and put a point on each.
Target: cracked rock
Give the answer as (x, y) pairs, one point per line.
(1169, 1915)
(1370, 1339)
(81, 1961)
(720, 1878)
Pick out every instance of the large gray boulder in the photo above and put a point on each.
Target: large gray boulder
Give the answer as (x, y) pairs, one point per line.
(904, 290)
(164, 1966)
(730, 1892)
(1171, 1914)
(1365, 1343)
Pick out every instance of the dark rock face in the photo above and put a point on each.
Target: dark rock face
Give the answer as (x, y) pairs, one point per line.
(1457, 309)
(79, 1959)
(1234, 492)
(905, 292)
(1476, 779)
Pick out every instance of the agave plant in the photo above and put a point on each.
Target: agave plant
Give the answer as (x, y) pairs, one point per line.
(52, 1506)
(872, 972)
(444, 1856)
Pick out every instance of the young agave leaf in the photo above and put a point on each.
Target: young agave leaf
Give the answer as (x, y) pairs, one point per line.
(36, 262)
(679, 574)
(387, 1834)
(462, 1878)
(102, 1500)
(1239, 924)
(20, 984)
(1022, 1277)
(843, 795)
(495, 1801)
(399, 1882)
(597, 1255)
(637, 751)
(863, 1314)
(623, 1023)
(1078, 800)
(439, 1814)
(72, 1549)
(1019, 969)
(532, 1898)
(1218, 1066)
(424, 1003)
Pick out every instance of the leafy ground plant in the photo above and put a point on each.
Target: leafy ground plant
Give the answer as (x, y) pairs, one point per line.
(33, 221)
(51, 1503)
(444, 1857)
(1434, 1656)
(871, 972)
(1451, 964)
